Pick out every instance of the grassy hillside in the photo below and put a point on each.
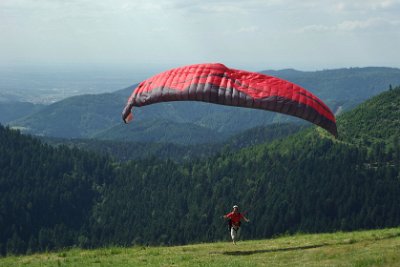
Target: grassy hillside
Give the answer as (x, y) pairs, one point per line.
(362, 249)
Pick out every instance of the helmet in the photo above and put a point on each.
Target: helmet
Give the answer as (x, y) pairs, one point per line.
(236, 206)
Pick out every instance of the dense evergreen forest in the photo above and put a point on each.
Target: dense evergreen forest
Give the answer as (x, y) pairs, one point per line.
(125, 150)
(55, 197)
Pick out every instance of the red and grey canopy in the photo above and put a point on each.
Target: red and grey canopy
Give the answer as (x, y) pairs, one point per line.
(215, 83)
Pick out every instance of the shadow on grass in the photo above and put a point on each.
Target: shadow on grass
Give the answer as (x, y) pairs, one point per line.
(251, 252)
(345, 242)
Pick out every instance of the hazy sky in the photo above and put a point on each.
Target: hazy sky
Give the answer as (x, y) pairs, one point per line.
(252, 34)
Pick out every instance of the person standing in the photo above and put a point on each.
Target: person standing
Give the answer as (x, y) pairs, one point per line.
(235, 218)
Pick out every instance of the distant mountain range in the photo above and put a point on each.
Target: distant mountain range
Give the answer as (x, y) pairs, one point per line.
(13, 110)
(99, 116)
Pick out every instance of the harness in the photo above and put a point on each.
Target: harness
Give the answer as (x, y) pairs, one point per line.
(235, 227)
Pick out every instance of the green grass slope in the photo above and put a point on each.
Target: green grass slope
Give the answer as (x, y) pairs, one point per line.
(362, 249)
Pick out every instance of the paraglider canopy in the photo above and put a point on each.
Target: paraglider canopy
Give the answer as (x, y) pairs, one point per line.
(216, 83)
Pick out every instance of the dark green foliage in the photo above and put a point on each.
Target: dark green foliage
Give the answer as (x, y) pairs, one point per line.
(46, 194)
(376, 120)
(162, 131)
(308, 182)
(263, 134)
(165, 149)
(320, 185)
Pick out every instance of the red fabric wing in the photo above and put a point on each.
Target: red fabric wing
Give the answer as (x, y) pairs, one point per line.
(218, 84)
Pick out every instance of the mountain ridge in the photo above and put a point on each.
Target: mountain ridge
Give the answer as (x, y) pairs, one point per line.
(87, 116)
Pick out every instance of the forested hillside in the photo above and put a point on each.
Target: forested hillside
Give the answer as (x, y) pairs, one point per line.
(309, 182)
(46, 194)
(374, 122)
(125, 150)
(10, 111)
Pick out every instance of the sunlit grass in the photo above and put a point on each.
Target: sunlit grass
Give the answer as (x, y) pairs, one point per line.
(362, 248)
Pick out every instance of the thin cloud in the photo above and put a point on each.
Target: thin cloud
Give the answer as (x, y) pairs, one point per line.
(250, 29)
(367, 5)
(226, 6)
(354, 25)
(134, 30)
(366, 24)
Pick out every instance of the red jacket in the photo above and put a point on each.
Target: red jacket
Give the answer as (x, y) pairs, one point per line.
(235, 217)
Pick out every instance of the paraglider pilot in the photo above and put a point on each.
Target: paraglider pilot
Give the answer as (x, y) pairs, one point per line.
(235, 218)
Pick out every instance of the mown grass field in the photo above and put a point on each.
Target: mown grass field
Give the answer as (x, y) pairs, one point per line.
(362, 248)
